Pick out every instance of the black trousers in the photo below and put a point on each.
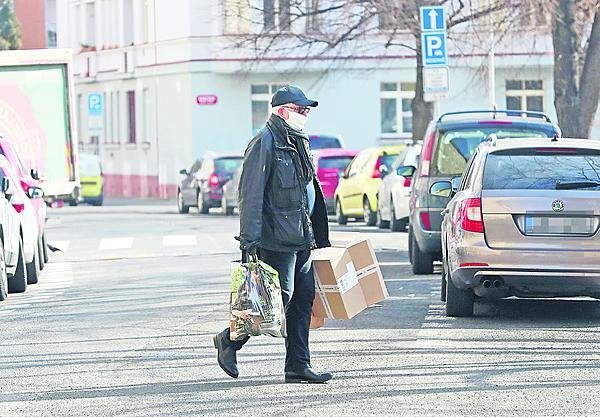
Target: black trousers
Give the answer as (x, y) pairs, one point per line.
(298, 292)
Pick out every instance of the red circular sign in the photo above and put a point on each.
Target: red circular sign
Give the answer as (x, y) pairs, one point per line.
(206, 99)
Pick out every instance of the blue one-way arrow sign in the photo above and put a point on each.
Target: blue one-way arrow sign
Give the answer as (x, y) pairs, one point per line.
(433, 18)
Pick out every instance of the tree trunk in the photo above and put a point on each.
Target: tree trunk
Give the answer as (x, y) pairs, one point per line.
(566, 92)
(422, 111)
(589, 86)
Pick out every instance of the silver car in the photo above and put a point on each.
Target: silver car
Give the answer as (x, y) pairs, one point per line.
(523, 222)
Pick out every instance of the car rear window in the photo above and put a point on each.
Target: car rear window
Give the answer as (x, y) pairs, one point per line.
(542, 169)
(456, 147)
(324, 142)
(388, 160)
(335, 162)
(228, 165)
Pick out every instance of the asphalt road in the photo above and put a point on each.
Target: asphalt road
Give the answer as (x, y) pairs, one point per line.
(122, 320)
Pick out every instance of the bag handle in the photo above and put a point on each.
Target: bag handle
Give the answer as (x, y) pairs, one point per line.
(246, 257)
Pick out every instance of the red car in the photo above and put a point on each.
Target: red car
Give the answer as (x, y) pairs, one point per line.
(329, 164)
(28, 179)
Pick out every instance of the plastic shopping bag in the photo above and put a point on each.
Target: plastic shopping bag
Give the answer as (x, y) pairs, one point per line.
(256, 307)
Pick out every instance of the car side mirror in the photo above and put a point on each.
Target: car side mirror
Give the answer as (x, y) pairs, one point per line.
(441, 189)
(184, 172)
(5, 185)
(35, 174)
(406, 171)
(383, 171)
(35, 192)
(455, 184)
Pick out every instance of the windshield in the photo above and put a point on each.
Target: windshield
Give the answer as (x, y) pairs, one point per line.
(228, 165)
(336, 162)
(457, 146)
(89, 166)
(324, 142)
(536, 169)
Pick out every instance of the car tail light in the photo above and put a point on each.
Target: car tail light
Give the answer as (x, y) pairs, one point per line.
(469, 215)
(407, 181)
(473, 264)
(556, 150)
(19, 207)
(214, 180)
(425, 220)
(494, 122)
(427, 154)
(376, 173)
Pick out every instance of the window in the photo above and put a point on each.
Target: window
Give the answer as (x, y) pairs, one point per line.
(128, 23)
(114, 126)
(261, 104)
(131, 117)
(525, 95)
(277, 15)
(90, 24)
(396, 111)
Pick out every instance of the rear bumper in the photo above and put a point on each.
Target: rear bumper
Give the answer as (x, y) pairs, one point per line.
(528, 273)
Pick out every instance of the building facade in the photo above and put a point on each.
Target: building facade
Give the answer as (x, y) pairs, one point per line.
(172, 85)
(38, 23)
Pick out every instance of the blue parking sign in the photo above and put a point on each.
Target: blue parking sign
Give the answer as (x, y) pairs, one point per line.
(95, 104)
(433, 47)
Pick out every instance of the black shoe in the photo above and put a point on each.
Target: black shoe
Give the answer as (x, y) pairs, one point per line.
(307, 375)
(226, 356)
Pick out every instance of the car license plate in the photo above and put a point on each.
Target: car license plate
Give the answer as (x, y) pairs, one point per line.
(559, 225)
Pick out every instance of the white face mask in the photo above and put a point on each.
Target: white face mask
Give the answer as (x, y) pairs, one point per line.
(296, 121)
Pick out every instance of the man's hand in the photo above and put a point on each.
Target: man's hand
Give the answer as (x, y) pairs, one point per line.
(250, 248)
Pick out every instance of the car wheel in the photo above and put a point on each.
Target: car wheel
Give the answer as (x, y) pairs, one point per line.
(341, 219)
(45, 249)
(202, 206)
(443, 282)
(397, 225)
(181, 207)
(459, 303)
(369, 215)
(41, 253)
(227, 210)
(422, 262)
(18, 282)
(3, 276)
(382, 224)
(33, 268)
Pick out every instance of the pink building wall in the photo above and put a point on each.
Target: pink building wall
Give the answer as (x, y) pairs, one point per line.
(32, 17)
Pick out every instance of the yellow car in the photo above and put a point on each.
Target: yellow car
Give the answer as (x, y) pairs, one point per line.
(356, 194)
(90, 177)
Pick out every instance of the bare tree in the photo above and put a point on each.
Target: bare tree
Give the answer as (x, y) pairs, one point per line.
(340, 29)
(576, 40)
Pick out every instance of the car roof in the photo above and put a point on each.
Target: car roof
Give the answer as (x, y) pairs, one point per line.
(520, 143)
(380, 150)
(324, 153)
(504, 121)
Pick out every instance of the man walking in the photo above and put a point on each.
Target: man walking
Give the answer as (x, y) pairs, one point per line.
(282, 218)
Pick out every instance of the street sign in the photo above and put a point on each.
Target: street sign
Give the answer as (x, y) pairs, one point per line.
(95, 105)
(434, 49)
(435, 83)
(433, 18)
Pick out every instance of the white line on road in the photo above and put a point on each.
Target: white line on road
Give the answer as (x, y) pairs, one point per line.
(116, 243)
(394, 263)
(179, 240)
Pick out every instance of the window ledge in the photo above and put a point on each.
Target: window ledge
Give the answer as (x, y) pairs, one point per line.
(111, 146)
(131, 146)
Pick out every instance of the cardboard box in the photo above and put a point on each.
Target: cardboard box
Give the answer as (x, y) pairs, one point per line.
(347, 278)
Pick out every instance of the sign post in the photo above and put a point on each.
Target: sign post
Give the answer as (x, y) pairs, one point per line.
(434, 53)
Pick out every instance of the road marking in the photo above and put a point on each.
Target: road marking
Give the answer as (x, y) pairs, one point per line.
(116, 243)
(179, 240)
(63, 245)
(394, 263)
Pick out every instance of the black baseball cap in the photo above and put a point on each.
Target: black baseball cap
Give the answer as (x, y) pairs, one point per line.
(292, 94)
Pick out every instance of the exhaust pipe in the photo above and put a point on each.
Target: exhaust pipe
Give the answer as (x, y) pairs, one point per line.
(498, 283)
(492, 287)
(487, 283)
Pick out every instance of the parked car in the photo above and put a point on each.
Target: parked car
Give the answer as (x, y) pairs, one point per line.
(90, 174)
(230, 193)
(10, 244)
(394, 191)
(202, 185)
(330, 163)
(356, 193)
(325, 142)
(524, 221)
(27, 266)
(28, 178)
(447, 146)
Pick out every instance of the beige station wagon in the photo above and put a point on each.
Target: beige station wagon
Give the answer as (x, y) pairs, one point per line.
(523, 221)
